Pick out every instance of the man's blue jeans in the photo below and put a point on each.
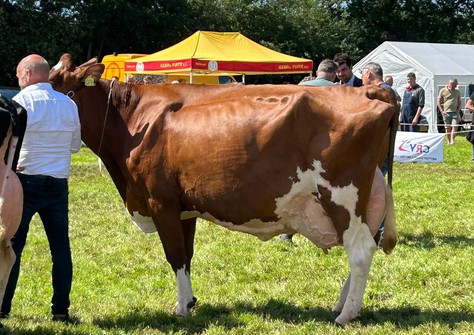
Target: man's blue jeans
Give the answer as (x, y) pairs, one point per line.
(48, 197)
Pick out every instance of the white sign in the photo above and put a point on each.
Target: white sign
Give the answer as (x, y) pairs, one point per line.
(140, 67)
(212, 65)
(418, 147)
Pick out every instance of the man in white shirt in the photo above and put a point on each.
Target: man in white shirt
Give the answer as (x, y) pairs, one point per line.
(52, 134)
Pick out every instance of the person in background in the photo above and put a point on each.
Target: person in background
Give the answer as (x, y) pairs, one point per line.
(325, 74)
(372, 74)
(147, 80)
(344, 71)
(470, 107)
(449, 104)
(131, 79)
(52, 133)
(389, 81)
(412, 105)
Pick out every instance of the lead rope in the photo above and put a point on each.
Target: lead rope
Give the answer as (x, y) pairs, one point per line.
(105, 119)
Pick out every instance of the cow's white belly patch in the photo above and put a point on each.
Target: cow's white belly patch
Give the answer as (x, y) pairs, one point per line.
(299, 211)
(144, 223)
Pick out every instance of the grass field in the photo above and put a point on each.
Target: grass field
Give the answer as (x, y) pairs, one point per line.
(123, 284)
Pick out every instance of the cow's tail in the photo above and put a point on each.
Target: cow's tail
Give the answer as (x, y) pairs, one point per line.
(3, 180)
(389, 231)
(2, 232)
(392, 128)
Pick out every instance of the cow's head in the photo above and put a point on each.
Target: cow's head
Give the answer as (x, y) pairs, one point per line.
(66, 77)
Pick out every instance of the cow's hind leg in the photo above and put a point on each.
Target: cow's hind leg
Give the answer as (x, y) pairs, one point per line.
(343, 296)
(175, 239)
(360, 247)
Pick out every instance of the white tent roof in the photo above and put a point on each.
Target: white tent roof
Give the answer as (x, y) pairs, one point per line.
(438, 58)
(433, 63)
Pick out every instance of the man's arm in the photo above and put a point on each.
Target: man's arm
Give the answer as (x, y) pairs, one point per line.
(421, 104)
(417, 115)
(470, 106)
(440, 105)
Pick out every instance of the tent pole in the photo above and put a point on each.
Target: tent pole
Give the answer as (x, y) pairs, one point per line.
(191, 77)
(243, 78)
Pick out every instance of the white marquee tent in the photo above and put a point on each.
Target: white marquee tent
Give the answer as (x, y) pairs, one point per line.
(433, 63)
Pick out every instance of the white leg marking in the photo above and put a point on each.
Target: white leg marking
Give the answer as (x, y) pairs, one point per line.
(360, 247)
(185, 292)
(343, 295)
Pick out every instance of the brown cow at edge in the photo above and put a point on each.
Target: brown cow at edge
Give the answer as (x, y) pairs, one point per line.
(262, 159)
(11, 191)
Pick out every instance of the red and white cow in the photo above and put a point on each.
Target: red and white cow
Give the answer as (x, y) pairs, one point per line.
(11, 191)
(263, 160)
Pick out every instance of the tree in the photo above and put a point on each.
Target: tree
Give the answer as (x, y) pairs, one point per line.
(128, 26)
(302, 28)
(27, 27)
(376, 21)
(314, 29)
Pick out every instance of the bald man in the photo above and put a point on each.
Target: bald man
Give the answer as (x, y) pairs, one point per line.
(52, 134)
(372, 74)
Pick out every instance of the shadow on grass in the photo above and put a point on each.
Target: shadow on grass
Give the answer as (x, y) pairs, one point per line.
(55, 328)
(409, 317)
(43, 331)
(428, 240)
(230, 318)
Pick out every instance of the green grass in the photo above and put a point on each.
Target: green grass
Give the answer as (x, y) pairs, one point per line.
(123, 284)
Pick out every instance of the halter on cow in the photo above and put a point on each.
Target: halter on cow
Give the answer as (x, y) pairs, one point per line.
(264, 160)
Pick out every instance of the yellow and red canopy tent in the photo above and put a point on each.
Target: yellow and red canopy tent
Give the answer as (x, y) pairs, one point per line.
(218, 53)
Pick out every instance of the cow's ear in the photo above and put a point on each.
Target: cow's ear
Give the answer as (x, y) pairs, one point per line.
(90, 62)
(92, 74)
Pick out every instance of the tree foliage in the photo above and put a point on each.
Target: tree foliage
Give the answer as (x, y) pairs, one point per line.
(313, 29)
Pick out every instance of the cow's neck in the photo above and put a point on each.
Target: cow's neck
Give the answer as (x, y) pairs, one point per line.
(104, 125)
(103, 115)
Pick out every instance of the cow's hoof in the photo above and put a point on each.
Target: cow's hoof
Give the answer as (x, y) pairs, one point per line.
(339, 325)
(182, 313)
(341, 321)
(185, 311)
(192, 303)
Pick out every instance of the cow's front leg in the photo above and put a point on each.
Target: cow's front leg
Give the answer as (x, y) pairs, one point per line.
(360, 247)
(177, 243)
